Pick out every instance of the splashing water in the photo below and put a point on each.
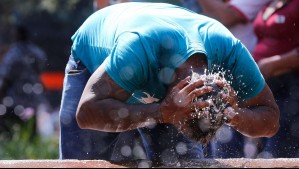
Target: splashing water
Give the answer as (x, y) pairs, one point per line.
(208, 120)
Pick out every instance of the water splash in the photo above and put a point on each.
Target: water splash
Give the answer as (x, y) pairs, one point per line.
(209, 119)
(217, 104)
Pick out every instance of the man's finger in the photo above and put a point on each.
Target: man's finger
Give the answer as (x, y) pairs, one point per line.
(183, 83)
(200, 92)
(193, 85)
(199, 105)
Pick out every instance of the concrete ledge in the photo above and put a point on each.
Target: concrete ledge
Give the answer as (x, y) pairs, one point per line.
(248, 163)
(208, 163)
(57, 164)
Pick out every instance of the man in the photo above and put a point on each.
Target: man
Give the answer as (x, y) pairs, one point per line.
(140, 57)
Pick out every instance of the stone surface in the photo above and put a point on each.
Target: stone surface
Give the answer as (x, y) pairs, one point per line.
(208, 163)
(57, 164)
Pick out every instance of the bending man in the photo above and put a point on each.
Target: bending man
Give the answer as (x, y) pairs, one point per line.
(139, 58)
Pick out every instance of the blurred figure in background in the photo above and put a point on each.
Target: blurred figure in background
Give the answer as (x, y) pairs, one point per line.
(99, 4)
(3, 48)
(277, 54)
(192, 5)
(20, 89)
(174, 2)
(238, 17)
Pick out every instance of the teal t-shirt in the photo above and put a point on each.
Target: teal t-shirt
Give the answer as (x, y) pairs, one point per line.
(141, 45)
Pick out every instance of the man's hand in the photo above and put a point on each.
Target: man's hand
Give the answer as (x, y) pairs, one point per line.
(178, 105)
(231, 98)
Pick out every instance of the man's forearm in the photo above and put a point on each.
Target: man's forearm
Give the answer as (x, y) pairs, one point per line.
(260, 121)
(111, 115)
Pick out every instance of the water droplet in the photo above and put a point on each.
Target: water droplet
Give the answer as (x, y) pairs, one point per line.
(126, 151)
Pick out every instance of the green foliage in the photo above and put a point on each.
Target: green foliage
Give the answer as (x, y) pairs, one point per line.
(24, 144)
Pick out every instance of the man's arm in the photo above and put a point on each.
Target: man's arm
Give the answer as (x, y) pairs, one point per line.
(102, 106)
(102, 103)
(221, 11)
(257, 117)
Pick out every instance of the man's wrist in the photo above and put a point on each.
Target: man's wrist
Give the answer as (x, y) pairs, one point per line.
(231, 116)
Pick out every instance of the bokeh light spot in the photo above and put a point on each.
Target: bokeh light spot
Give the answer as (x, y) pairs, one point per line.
(181, 148)
(126, 151)
(2, 109)
(8, 101)
(166, 75)
(27, 88)
(224, 134)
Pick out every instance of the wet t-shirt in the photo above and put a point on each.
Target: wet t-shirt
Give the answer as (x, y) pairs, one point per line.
(142, 44)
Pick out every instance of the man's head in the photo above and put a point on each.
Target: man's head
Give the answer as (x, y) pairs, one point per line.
(207, 121)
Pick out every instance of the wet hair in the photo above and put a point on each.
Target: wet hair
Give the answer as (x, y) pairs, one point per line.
(203, 129)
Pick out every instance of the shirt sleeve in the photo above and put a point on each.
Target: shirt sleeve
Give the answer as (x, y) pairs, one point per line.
(127, 63)
(248, 8)
(247, 78)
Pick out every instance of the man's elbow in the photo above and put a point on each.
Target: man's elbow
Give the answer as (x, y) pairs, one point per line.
(275, 123)
(82, 116)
